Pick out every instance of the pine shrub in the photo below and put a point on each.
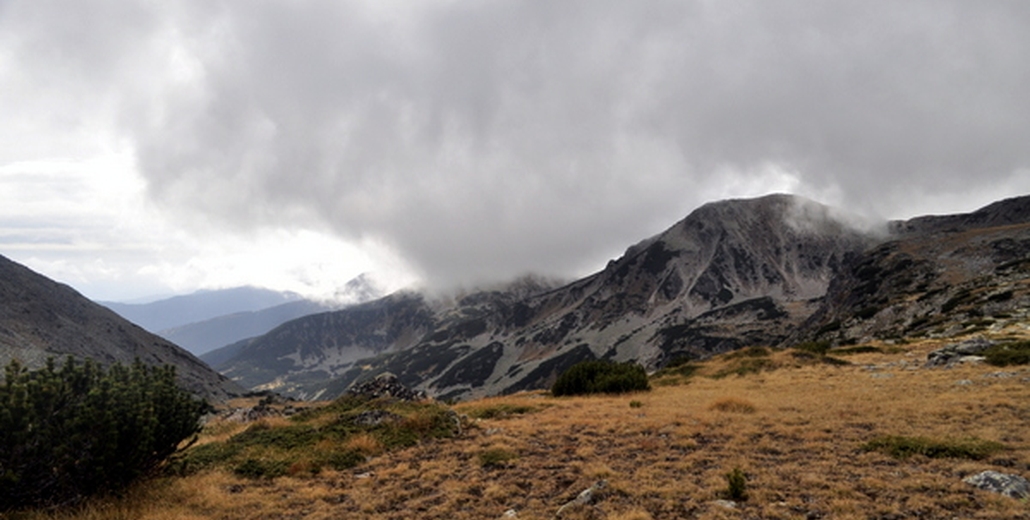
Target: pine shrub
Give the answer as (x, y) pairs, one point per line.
(81, 430)
(596, 377)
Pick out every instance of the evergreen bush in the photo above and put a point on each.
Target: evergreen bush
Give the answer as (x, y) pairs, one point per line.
(595, 377)
(80, 430)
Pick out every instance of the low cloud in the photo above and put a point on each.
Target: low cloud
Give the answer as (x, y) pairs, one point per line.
(480, 140)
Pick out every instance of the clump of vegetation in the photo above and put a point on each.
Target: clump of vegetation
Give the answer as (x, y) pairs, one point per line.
(500, 411)
(81, 430)
(736, 485)
(636, 404)
(902, 447)
(733, 405)
(1017, 353)
(337, 436)
(750, 352)
(496, 458)
(597, 377)
(743, 367)
(813, 347)
(861, 349)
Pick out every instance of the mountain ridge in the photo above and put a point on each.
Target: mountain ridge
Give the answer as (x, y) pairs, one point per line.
(41, 318)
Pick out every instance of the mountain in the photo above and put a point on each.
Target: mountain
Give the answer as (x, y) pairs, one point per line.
(205, 336)
(730, 274)
(40, 318)
(936, 276)
(199, 306)
(310, 350)
(775, 271)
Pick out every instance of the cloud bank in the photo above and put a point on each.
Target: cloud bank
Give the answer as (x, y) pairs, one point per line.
(484, 139)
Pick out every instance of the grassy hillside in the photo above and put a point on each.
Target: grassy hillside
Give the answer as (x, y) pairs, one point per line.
(860, 432)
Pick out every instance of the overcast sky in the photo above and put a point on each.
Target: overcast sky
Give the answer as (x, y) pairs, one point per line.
(163, 146)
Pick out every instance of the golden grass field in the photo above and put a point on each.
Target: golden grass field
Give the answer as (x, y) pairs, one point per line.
(796, 428)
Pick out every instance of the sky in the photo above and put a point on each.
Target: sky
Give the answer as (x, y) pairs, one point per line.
(159, 147)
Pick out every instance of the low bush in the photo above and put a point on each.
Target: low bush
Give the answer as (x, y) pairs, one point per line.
(81, 430)
(902, 447)
(745, 367)
(596, 377)
(1007, 354)
(736, 485)
(813, 347)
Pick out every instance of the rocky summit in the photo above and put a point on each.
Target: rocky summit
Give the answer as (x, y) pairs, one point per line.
(773, 271)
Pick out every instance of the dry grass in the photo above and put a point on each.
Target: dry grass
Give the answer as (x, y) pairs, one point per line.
(796, 427)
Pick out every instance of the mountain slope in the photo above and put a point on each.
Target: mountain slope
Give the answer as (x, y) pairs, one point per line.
(730, 274)
(775, 270)
(315, 348)
(40, 318)
(937, 276)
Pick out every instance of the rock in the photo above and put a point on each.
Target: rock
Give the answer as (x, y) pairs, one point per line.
(385, 385)
(585, 498)
(248, 415)
(375, 418)
(1009, 485)
(954, 353)
(511, 513)
(728, 504)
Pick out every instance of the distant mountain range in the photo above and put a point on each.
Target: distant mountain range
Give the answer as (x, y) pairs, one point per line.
(206, 320)
(766, 271)
(40, 318)
(199, 306)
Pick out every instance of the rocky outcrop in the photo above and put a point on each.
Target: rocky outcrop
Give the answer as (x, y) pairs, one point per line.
(385, 386)
(949, 355)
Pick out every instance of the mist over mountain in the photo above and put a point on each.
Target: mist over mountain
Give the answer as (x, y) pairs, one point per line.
(40, 318)
(767, 271)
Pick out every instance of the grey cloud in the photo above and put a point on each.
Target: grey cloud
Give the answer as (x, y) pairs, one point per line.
(483, 139)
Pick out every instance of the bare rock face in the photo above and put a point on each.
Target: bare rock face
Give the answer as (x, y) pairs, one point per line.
(40, 318)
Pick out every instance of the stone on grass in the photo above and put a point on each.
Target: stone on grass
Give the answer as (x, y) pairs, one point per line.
(1009, 485)
(585, 498)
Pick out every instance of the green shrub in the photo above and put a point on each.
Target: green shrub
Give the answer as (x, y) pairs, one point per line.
(736, 485)
(258, 468)
(902, 447)
(862, 349)
(750, 352)
(81, 430)
(744, 367)
(595, 377)
(1017, 353)
(814, 347)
